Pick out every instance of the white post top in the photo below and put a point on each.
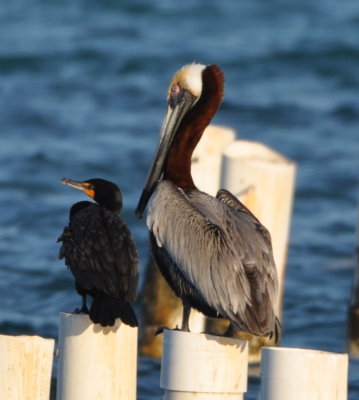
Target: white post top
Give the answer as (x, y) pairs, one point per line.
(96, 362)
(203, 363)
(297, 374)
(257, 151)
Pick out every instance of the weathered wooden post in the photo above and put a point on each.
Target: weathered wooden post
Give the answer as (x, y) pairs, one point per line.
(25, 367)
(353, 312)
(297, 374)
(96, 362)
(160, 307)
(203, 367)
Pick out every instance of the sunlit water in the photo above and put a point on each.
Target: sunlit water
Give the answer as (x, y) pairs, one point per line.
(83, 88)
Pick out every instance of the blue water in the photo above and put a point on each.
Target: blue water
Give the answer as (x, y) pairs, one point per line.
(82, 94)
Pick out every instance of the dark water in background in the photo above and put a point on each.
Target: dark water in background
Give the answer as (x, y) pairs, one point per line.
(82, 94)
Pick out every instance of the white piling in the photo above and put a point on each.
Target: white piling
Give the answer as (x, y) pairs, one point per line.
(203, 367)
(263, 179)
(95, 362)
(298, 374)
(25, 367)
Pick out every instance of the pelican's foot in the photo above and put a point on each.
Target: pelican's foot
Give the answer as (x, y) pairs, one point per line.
(229, 332)
(160, 330)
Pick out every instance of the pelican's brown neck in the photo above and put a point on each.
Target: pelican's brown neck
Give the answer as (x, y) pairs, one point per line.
(178, 164)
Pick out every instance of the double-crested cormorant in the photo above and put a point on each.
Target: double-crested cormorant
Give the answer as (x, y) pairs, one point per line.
(101, 254)
(214, 253)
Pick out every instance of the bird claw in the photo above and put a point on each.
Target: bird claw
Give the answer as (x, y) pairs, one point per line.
(177, 328)
(81, 311)
(229, 332)
(160, 330)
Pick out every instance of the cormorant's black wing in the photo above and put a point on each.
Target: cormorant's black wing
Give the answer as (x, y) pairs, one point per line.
(100, 252)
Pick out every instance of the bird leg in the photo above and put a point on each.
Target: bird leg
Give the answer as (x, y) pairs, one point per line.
(83, 294)
(229, 332)
(185, 316)
(83, 308)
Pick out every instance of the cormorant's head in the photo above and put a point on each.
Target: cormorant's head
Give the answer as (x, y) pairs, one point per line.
(104, 192)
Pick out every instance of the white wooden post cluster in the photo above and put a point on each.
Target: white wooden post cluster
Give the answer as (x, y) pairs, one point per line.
(101, 363)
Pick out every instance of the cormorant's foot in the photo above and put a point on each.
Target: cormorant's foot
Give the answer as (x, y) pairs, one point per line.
(82, 310)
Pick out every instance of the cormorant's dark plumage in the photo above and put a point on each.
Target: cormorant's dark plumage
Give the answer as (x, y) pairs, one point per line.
(99, 250)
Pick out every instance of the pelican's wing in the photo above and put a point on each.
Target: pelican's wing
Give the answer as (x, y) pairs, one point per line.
(99, 250)
(216, 248)
(258, 262)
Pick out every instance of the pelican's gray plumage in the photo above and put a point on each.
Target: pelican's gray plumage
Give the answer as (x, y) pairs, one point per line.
(213, 251)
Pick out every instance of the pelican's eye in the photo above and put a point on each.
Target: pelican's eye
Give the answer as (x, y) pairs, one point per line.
(176, 95)
(175, 90)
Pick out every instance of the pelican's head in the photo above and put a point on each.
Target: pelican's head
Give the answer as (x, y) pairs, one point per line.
(184, 91)
(188, 78)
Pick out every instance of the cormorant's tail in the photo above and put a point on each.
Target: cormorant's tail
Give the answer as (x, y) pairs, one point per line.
(104, 311)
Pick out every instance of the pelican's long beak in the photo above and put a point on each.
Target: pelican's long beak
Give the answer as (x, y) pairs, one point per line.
(171, 123)
(85, 187)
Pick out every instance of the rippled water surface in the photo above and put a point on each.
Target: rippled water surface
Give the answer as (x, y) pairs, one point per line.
(82, 94)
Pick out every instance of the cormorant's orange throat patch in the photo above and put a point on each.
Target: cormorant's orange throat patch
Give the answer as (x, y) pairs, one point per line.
(89, 190)
(90, 193)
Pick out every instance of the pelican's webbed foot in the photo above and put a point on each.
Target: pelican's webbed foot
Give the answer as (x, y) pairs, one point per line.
(229, 332)
(177, 328)
(160, 330)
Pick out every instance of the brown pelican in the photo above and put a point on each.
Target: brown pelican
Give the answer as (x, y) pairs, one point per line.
(214, 253)
(99, 250)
